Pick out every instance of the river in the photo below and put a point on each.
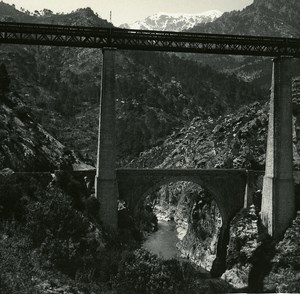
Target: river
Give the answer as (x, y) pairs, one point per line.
(163, 241)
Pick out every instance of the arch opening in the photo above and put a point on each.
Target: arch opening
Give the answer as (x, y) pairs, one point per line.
(193, 212)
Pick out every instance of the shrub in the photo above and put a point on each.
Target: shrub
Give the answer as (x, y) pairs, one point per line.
(17, 265)
(58, 230)
(142, 272)
(14, 194)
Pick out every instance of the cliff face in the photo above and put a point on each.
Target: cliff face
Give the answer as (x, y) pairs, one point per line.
(197, 219)
(284, 273)
(244, 233)
(25, 145)
(256, 262)
(200, 242)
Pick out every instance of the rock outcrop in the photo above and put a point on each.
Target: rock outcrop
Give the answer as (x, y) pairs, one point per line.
(244, 233)
(284, 276)
(200, 242)
(25, 145)
(197, 219)
(233, 141)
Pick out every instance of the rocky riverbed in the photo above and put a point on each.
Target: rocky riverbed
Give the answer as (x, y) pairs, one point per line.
(255, 262)
(197, 220)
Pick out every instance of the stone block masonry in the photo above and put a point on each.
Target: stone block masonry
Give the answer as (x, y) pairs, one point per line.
(105, 183)
(278, 199)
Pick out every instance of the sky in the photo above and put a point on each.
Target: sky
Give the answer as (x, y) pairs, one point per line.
(129, 11)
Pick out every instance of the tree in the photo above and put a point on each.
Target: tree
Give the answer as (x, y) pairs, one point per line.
(47, 12)
(4, 79)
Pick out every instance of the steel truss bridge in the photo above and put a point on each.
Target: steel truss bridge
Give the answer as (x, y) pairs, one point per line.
(97, 37)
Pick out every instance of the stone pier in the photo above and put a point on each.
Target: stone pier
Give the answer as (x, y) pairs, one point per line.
(278, 199)
(105, 181)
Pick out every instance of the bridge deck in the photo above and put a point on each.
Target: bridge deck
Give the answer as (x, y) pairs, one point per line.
(96, 37)
(179, 171)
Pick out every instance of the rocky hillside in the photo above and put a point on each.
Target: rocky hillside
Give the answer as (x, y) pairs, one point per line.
(84, 16)
(285, 265)
(257, 263)
(25, 145)
(262, 18)
(156, 93)
(179, 107)
(236, 140)
(173, 21)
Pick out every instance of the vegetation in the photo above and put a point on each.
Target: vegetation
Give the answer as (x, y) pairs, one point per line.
(141, 272)
(156, 93)
(50, 238)
(4, 80)
(48, 244)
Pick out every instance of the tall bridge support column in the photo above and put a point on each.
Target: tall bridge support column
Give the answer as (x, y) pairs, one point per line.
(278, 199)
(105, 181)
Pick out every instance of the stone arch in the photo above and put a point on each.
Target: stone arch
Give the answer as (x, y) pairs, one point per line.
(199, 183)
(226, 186)
(172, 179)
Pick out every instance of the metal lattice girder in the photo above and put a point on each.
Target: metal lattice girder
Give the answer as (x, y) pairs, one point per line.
(95, 37)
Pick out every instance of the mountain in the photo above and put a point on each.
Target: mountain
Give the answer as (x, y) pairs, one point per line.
(263, 17)
(173, 21)
(156, 93)
(190, 114)
(82, 16)
(274, 18)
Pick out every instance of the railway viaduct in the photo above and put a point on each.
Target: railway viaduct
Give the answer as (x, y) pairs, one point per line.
(227, 186)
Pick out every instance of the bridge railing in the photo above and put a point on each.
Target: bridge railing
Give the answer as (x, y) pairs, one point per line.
(98, 37)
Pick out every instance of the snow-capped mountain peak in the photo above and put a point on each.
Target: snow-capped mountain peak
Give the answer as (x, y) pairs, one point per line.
(174, 21)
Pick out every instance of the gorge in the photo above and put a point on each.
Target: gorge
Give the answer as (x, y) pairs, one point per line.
(177, 122)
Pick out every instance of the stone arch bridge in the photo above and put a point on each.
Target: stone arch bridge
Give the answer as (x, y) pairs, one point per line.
(230, 188)
(226, 186)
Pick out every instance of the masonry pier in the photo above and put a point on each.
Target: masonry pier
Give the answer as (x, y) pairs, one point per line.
(106, 188)
(278, 199)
